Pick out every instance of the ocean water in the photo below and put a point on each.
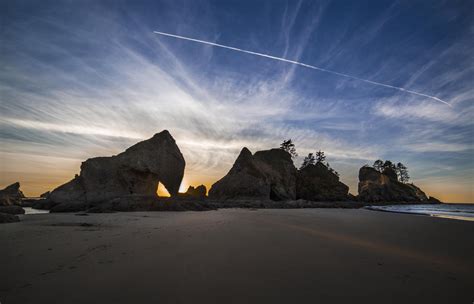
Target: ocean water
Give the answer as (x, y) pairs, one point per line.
(29, 210)
(463, 212)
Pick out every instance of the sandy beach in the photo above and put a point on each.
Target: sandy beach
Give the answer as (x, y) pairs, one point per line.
(237, 256)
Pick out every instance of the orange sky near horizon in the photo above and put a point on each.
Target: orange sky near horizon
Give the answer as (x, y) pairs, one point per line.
(40, 173)
(36, 183)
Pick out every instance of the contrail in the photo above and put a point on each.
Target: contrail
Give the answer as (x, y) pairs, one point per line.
(305, 65)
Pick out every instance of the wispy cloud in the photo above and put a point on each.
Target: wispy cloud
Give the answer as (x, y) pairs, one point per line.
(91, 86)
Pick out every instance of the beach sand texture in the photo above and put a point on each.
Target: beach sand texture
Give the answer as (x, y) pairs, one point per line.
(237, 256)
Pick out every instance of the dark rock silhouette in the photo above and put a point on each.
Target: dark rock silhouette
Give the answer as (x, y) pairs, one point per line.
(434, 200)
(317, 183)
(8, 218)
(12, 209)
(199, 192)
(268, 174)
(390, 173)
(136, 171)
(11, 195)
(70, 192)
(45, 195)
(147, 203)
(376, 187)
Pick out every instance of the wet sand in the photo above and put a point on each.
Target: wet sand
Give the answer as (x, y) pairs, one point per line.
(237, 256)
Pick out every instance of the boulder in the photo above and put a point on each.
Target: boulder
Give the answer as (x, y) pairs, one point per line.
(376, 187)
(318, 183)
(199, 192)
(136, 171)
(8, 218)
(268, 174)
(11, 195)
(12, 209)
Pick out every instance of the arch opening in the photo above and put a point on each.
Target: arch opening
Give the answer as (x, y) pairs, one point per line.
(161, 191)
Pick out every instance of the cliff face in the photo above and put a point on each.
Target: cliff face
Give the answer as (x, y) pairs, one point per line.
(377, 187)
(138, 170)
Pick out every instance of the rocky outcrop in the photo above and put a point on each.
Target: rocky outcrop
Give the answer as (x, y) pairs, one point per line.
(267, 174)
(318, 183)
(376, 187)
(198, 193)
(434, 200)
(136, 171)
(271, 175)
(11, 195)
(12, 209)
(71, 192)
(149, 203)
(8, 218)
(45, 195)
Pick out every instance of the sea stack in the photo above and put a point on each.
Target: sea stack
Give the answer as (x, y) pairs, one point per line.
(266, 175)
(381, 187)
(318, 183)
(136, 171)
(271, 175)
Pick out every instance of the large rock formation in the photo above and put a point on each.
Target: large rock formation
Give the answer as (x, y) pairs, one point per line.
(267, 174)
(377, 187)
(11, 195)
(318, 183)
(136, 171)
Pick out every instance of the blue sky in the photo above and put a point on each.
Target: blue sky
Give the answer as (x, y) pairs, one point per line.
(89, 78)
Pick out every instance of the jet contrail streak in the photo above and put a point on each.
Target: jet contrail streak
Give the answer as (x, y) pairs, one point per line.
(304, 65)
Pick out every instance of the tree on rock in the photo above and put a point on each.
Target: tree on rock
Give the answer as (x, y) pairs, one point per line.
(388, 164)
(320, 157)
(400, 169)
(402, 173)
(378, 165)
(308, 160)
(289, 146)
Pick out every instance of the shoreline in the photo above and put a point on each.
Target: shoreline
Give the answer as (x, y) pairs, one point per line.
(180, 204)
(463, 215)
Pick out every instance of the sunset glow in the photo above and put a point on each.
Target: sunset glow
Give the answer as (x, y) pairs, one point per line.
(108, 81)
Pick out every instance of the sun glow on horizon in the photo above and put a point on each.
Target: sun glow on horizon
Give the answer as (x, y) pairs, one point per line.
(162, 191)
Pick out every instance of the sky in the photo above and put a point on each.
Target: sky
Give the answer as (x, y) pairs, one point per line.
(81, 79)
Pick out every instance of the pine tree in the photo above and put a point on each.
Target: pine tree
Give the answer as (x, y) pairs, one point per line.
(402, 173)
(320, 157)
(289, 146)
(388, 164)
(308, 160)
(378, 165)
